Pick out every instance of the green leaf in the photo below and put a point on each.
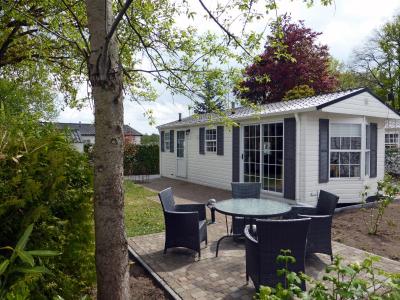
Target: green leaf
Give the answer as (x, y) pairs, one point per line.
(3, 266)
(25, 257)
(33, 270)
(24, 239)
(43, 253)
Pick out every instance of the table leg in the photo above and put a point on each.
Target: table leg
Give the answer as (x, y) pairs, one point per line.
(226, 222)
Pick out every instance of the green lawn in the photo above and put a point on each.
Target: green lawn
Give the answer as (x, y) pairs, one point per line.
(142, 215)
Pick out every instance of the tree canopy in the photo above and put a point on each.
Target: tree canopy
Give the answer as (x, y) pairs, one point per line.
(210, 100)
(271, 76)
(377, 62)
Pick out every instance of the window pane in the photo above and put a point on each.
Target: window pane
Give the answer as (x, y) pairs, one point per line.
(279, 143)
(355, 158)
(279, 157)
(335, 143)
(334, 157)
(355, 143)
(344, 157)
(347, 130)
(271, 129)
(271, 171)
(278, 185)
(278, 172)
(334, 171)
(344, 171)
(355, 171)
(272, 157)
(367, 163)
(345, 143)
(279, 129)
(246, 143)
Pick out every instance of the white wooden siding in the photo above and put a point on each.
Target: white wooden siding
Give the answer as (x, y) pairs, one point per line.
(206, 169)
(362, 104)
(348, 189)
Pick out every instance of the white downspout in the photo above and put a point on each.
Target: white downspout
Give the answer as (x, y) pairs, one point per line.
(298, 144)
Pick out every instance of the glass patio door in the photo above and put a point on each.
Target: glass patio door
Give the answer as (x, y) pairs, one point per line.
(273, 157)
(251, 157)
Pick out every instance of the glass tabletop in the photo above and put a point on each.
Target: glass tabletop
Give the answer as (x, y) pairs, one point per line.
(252, 207)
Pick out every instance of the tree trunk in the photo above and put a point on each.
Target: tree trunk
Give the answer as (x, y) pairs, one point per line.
(106, 81)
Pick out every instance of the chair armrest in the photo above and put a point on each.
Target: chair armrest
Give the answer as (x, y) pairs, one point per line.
(249, 236)
(199, 208)
(302, 210)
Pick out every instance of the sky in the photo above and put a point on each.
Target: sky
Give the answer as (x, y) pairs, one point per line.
(345, 25)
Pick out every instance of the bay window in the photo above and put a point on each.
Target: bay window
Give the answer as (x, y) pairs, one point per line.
(345, 150)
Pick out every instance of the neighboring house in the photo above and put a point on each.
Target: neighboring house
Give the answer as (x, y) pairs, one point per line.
(87, 132)
(392, 134)
(295, 148)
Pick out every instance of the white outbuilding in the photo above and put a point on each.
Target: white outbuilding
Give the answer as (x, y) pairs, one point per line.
(334, 142)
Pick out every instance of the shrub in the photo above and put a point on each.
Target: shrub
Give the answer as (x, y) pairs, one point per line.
(20, 268)
(386, 194)
(141, 159)
(392, 161)
(340, 282)
(44, 181)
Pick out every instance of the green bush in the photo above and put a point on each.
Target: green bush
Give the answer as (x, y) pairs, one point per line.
(44, 181)
(141, 159)
(340, 282)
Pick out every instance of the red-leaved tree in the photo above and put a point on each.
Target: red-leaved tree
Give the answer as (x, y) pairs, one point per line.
(271, 76)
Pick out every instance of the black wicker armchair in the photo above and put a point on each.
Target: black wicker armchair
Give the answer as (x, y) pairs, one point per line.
(319, 239)
(185, 224)
(263, 248)
(243, 190)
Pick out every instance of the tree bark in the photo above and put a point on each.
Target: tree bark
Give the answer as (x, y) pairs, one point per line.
(106, 82)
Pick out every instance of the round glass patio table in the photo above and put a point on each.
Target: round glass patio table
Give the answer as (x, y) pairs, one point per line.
(250, 208)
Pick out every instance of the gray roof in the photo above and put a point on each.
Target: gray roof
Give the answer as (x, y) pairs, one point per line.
(282, 107)
(88, 129)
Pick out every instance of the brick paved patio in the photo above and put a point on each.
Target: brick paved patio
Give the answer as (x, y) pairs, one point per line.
(222, 277)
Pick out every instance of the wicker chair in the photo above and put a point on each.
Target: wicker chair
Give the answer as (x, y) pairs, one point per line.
(272, 237)
(243, 190)
(319, 238)
(185, 224)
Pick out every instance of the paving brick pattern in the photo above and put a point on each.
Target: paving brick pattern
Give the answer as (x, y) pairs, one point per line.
(222, 277)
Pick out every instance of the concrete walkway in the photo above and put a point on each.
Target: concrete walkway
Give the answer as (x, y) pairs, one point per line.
(222, 277)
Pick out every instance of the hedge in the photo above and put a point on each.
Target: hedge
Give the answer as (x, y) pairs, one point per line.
(392, 161)
(141, 159)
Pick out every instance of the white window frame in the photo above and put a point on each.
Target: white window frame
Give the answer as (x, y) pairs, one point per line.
(211, 140)
(391, 140)
(167, 141)
(360, 151)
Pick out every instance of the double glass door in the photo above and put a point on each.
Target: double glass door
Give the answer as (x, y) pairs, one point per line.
(263, 155)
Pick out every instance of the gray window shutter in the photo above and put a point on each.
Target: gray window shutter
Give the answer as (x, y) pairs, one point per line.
(323, 150)
(373, 149)
(162, 141)
(220, 140)
(171, 141)
(235, 154)
(289, 163)
(201, 140)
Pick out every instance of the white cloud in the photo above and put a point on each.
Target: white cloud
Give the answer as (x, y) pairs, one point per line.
(345, 25)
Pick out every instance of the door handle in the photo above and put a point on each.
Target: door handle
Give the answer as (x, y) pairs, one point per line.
(242, 156)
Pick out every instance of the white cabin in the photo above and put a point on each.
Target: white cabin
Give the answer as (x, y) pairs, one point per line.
(334, 142)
